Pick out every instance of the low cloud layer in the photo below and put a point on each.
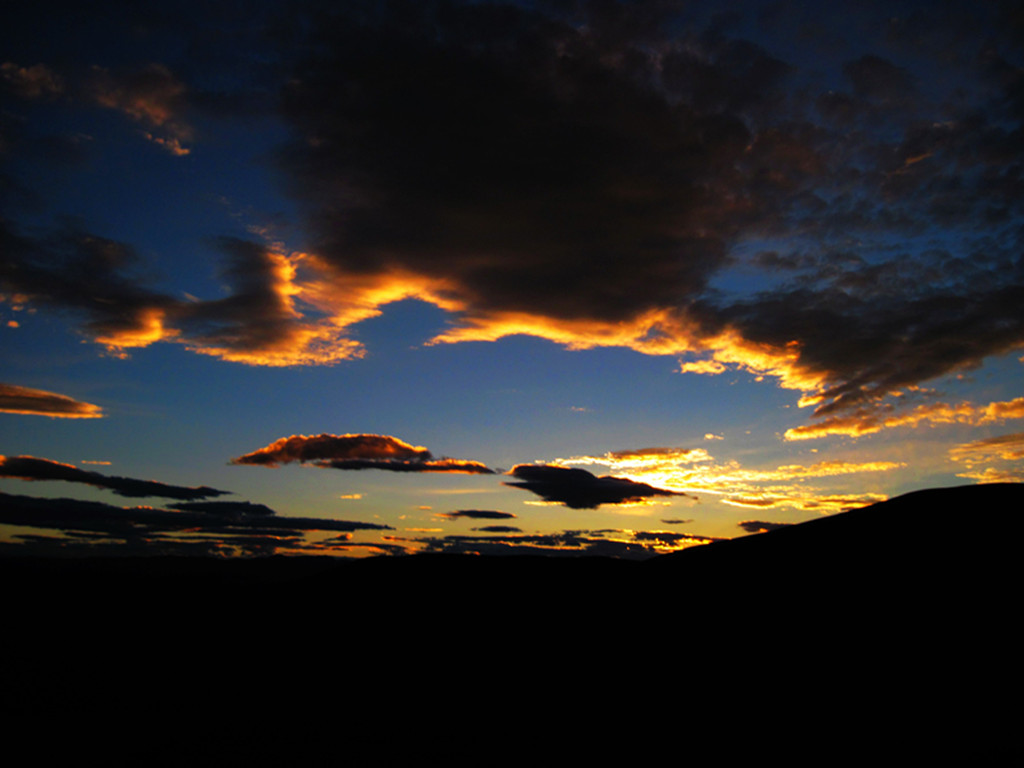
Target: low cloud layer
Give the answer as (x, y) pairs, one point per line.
(32, 468)
(38, 402)
(624, 544)
(358, 451)
(579, 489)
(209, 528)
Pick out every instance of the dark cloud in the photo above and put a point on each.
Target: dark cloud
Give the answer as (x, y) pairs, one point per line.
(671, 537)
(99, 281)
(476, 514)
(32, 82)
(228, 508)
(359, 451)
(38, 402)
(878, 79)
(579, 489)
(31, 468)
(236, 527)
(760, 526)
(509, 151)
(652, 157)
(627, 545)
(498, 529)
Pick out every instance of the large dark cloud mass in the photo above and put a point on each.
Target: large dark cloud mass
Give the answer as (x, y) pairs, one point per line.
(832, 199)
(32, 468)
(627, 151)
(360, 451)
(579, 489)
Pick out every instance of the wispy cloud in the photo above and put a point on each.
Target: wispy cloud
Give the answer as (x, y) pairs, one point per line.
(1006, 447)
(153, 97)
(866, 421)
(694, 470)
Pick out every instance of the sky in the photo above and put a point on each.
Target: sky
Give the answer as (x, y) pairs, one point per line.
(566, 277)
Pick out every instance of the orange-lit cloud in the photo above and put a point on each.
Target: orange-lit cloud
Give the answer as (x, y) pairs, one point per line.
(695, 471)
(356, 451)
(866, 421)
(1006, 447)
(33, 82)
(152, 96)
(993, 475)
(38, 402)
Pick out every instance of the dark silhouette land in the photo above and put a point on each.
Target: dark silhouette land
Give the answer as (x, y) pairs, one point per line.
(891, 623)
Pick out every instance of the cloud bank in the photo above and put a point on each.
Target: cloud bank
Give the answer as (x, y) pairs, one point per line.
(201, 528)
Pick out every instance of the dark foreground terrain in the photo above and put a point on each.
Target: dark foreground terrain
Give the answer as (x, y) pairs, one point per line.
(891, 624)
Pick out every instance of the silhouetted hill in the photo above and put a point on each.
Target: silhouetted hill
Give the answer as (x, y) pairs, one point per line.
(838, 626)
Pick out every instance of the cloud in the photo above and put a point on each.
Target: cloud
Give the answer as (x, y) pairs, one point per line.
(152, 96)
(866, 421)
(579, 489)
(622, 544)
(760, 526)
(35, 82)
(38, 402)
(483, 156)
(260, 322)
(475, 514)
(1006, 447)
(498, 529)
(225, 508)
(210, 528)
(695, 470)
(359, 451)
(31, 468)
(846, 228)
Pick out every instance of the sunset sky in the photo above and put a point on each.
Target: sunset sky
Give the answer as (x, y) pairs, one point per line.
(572, 277)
